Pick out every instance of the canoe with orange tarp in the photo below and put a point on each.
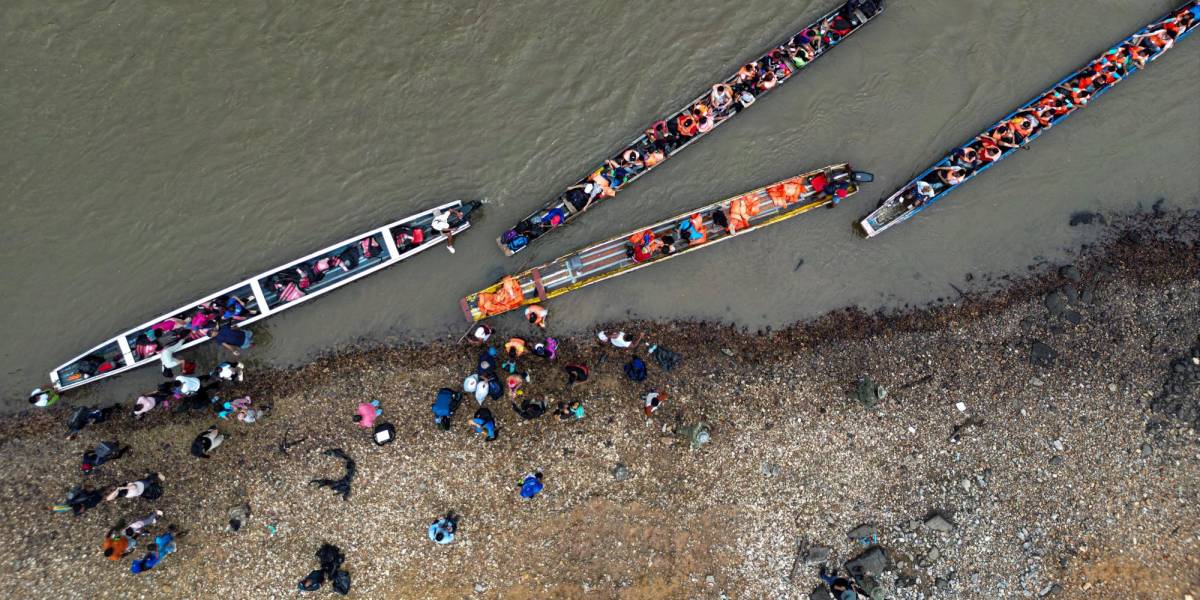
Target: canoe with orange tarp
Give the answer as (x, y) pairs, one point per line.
(691, 230)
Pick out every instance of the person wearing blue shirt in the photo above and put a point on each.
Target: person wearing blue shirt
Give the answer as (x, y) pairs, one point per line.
(531, 485)
(484, 423)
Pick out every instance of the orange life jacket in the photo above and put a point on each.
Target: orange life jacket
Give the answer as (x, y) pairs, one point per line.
(504, 299)
(687, 125)
(698, 223)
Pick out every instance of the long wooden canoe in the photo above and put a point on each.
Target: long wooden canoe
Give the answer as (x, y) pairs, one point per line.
(612, 257)
(781, 61)
(928, 187)
(256, 298)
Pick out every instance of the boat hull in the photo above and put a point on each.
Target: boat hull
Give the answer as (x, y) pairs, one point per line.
(258, 299)
(611, 257)
(857, 13)
(905, 203)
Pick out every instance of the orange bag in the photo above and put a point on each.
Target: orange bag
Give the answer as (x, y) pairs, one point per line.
(508, 297)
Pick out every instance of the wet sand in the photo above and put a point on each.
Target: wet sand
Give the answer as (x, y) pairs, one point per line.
(1072, 472)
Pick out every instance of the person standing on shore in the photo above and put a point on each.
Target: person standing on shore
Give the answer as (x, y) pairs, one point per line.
(135, 529)
(42, 398)
(484, 423)
(163, 545)
(206, 442)
(531, 485)
(619, 339)
(536, 314)
(232, 338)
(529, 409)
(442, 530)
(572, 411)
(444, 406)
(576, 373)
(652, 401)
(366, 412)
(480, 334)
(87, 415)
(148, 487)
(116, 544)
(104, 452)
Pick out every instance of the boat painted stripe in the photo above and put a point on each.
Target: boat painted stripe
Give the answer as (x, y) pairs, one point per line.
(871, 224)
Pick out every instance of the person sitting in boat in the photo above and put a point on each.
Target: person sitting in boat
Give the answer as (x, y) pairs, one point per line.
(721, 97)
(704, 117)
(1055, 103)
(692, 230)
(616, 173)
(952, 175)
(408, 238)
(444, 222)
(1003, 135)
(1023, 126)
(966, 157)
(687, 124)
(921, 193)
(285, 286)
(643, 245)
(581, 195)
(605, 188)
(234, 309)
(631, 160)
(144, 347)
(551, 218)
(748, 74)
(800, 54)
(663, 137)
(767, 81)
(840, 25)
(1135, 55)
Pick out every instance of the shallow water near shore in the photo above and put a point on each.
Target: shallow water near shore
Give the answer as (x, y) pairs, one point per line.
(156, 153)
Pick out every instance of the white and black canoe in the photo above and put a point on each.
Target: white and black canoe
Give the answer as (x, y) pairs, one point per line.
(262, 295)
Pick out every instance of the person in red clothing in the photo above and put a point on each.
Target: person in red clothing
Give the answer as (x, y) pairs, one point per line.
(366, 412)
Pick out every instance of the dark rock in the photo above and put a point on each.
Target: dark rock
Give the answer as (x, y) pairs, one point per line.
(936, 522)
(1083, 218)
(820, 593)
(873, 561)
(1042, 355)
(621, 472)
(1071, 292)
(1055, 304)
(816, 555)
(1056, 460)
(942, 584)
(1072, 316)
(1147, 450)
(1070, 273)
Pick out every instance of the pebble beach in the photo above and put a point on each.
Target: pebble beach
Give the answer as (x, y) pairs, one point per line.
(1037, 440)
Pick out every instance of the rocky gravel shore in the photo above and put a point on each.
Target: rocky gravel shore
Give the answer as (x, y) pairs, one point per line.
(1035, 441)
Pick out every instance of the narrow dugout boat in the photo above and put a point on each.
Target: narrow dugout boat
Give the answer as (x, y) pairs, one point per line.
(693, 230)
(1033, 118)
(667, 137)
(263, 295)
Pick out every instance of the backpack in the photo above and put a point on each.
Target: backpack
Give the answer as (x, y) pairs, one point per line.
(636, 369)
(384, 428)
(341, 582)
(517, 242)
(153, 490)
(349, 257)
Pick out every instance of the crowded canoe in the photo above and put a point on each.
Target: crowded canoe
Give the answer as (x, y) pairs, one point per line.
(668, 136)
(1033, 118)
(221, 316)
(666, 239)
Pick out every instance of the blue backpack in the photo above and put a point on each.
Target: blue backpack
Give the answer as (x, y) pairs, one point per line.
(636, 369)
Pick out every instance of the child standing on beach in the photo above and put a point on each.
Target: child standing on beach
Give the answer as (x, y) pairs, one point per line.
(366, 412)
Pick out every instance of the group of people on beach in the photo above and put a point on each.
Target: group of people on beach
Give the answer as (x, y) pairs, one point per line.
(665, 137)
(1073, 94)
(184, 388)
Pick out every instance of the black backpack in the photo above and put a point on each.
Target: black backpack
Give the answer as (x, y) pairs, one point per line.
(341, 582)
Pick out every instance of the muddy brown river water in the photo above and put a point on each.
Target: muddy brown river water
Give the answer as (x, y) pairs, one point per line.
(152, 153)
